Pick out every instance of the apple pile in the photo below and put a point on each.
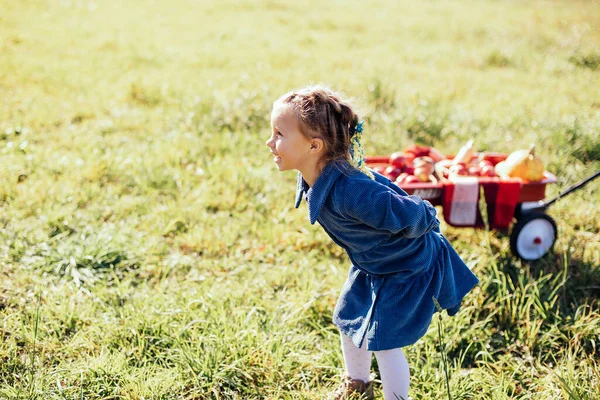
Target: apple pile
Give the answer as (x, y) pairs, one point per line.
(475, 167)
(465, 163)
(423, 164)
(415, 165)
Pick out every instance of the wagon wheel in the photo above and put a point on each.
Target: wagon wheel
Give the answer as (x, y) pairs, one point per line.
(533, 236)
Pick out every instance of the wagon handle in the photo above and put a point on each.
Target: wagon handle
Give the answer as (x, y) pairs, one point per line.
(573, 188)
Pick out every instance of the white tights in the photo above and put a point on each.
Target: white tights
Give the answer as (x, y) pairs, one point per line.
(393, 367)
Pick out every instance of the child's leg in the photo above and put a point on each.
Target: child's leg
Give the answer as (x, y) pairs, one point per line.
(358, 361)
(394, 372)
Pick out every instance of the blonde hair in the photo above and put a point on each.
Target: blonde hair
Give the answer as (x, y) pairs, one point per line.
(322, 113)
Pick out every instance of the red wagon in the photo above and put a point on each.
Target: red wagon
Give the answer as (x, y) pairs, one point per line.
(507, 200)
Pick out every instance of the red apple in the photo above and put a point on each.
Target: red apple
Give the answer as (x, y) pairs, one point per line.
(398, 159)
(488, 170)
(408, 158)
(485, 163)
(401, 178)
(392, 172)
(409, 169)
(459, 169)
(474, 171)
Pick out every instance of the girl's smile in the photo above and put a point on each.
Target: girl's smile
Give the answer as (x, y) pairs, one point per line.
(289, 147)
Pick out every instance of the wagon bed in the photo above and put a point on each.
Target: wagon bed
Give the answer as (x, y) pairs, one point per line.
(506, 202)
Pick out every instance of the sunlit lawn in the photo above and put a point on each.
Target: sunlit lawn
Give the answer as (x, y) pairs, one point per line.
(149, 249)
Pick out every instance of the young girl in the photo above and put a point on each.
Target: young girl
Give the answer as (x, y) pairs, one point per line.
(401, 263)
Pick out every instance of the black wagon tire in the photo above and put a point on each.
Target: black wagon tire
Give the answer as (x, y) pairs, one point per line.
(533, 236)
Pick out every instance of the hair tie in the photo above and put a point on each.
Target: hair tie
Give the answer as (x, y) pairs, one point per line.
(359, 127)
(356, 151)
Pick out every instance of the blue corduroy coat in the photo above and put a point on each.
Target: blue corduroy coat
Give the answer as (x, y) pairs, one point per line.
(400, 260)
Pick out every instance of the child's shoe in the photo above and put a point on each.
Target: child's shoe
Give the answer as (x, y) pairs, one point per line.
(353, 389)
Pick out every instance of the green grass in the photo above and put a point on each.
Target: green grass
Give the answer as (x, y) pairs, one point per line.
(149, 249)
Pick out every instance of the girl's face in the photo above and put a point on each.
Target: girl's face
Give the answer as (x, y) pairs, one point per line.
(288, 145)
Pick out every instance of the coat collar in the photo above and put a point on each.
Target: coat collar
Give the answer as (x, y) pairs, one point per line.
(317, 194)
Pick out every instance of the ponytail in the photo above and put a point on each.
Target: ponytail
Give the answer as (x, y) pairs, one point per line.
(356, 150)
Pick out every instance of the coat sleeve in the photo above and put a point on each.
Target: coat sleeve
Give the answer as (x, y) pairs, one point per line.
(379, 207)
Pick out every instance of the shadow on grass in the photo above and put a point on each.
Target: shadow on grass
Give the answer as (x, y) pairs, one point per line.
(533, 310)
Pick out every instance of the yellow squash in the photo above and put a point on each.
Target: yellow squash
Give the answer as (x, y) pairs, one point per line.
(522, 164)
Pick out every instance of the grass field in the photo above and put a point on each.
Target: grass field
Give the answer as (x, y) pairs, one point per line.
(149, 248)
